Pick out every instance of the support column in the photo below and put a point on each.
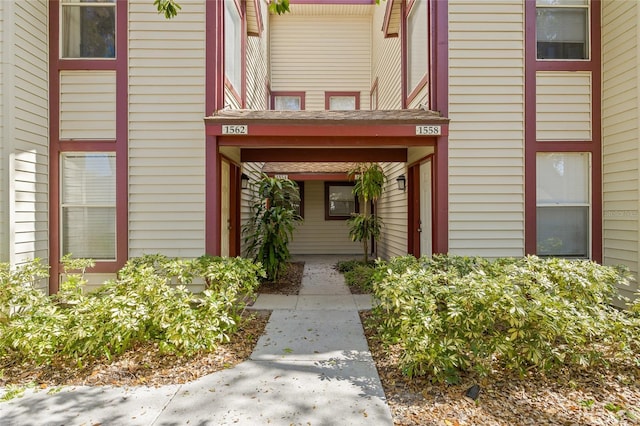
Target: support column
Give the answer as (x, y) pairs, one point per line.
(214, 101)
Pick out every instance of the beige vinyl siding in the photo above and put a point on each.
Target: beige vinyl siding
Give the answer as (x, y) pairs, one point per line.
(252, 170)
(486, 142)
(320, 54)
(392, 209)
(386, 64)
(563, 105)
(4, 141)
(258, 67)
(620, 135)
(317, 235)
(88, 105)
(166, 138)
(29, 122)
(421, 98)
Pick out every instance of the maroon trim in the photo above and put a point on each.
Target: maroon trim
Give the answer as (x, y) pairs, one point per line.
(243, 54)
(374, 90)
(362, 130)
(440, 87)
(533, 146)
(328, 95)
(332, 1)
(258, 8)
(403, 56)
(387, 20)
(214, 101)
(302, 177)
(119, 145)
(274, 94)
(425, 79)
(322, 154)
(233, 91)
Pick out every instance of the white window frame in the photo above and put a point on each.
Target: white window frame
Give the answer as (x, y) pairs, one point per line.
(550, 204)
(417, 71)
(233, 44)
(541, 4)
(66, 205)
(67, 4)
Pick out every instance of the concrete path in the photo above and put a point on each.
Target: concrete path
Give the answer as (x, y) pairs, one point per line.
(312, 366)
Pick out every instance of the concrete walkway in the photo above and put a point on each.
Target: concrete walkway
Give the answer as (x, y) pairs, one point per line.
(312, 366)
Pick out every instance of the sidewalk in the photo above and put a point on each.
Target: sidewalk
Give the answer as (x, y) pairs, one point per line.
(312, 366)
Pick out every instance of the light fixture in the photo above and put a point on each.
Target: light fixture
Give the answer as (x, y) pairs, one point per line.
(402, 182)
(244, 181)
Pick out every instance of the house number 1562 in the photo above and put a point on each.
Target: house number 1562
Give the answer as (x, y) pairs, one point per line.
(235, 129)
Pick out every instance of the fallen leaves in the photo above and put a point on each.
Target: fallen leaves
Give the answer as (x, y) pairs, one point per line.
(572, 397)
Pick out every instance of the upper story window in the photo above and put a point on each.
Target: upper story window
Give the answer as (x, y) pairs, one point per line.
(417, 44)
(233, 44)
(88, 29)
(562, 29)
(342, 101)
(287, 101)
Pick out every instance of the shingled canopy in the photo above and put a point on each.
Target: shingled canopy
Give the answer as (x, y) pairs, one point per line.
(322, 136)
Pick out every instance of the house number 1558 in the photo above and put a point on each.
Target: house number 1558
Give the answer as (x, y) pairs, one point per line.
(428, 130)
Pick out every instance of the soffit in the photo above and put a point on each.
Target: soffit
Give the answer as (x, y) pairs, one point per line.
(331, 9)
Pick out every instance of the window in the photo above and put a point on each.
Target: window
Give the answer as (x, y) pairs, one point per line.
(287, 101)
(88, 29)
(563, 204)
(339, 201)
(562, 29)
(88, 205)
(417, 44)
(342, 101)
(233, 44)
(298, 205)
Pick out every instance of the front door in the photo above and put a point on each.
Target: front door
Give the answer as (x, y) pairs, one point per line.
(225, 204)
(426, 237)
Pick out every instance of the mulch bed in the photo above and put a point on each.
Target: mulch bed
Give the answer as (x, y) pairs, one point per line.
(288, 283)
(571, 397)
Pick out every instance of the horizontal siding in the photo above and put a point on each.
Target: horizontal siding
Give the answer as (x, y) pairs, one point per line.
(386, 64)
(88, 105)
(620, 134)
(563, 105)
(258, 67)
(166, 141)
(486, 134)
(4, 141)
(30, 128)
(317, 235)
(392, 209)
(320, 54)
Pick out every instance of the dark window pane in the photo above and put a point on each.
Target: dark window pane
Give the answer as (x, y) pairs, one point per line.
(562, 33)
(88, 31)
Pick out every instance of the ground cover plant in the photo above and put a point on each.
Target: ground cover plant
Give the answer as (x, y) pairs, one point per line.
(148, 304)
(358, 275)
(454, 316)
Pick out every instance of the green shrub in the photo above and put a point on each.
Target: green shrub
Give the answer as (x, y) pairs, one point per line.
(140, 306)
(454, 314)
(361, 276)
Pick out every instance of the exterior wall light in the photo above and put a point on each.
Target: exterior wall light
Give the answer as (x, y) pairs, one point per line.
(402, 182)
(244, 181)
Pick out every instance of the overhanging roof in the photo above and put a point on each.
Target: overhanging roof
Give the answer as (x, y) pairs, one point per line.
(324, 117)
(321, 136)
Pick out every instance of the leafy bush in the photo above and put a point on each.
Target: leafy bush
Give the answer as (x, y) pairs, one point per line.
(348, 265)
(140, 306)
(271, 224)
(455, 314)
(361, 276)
